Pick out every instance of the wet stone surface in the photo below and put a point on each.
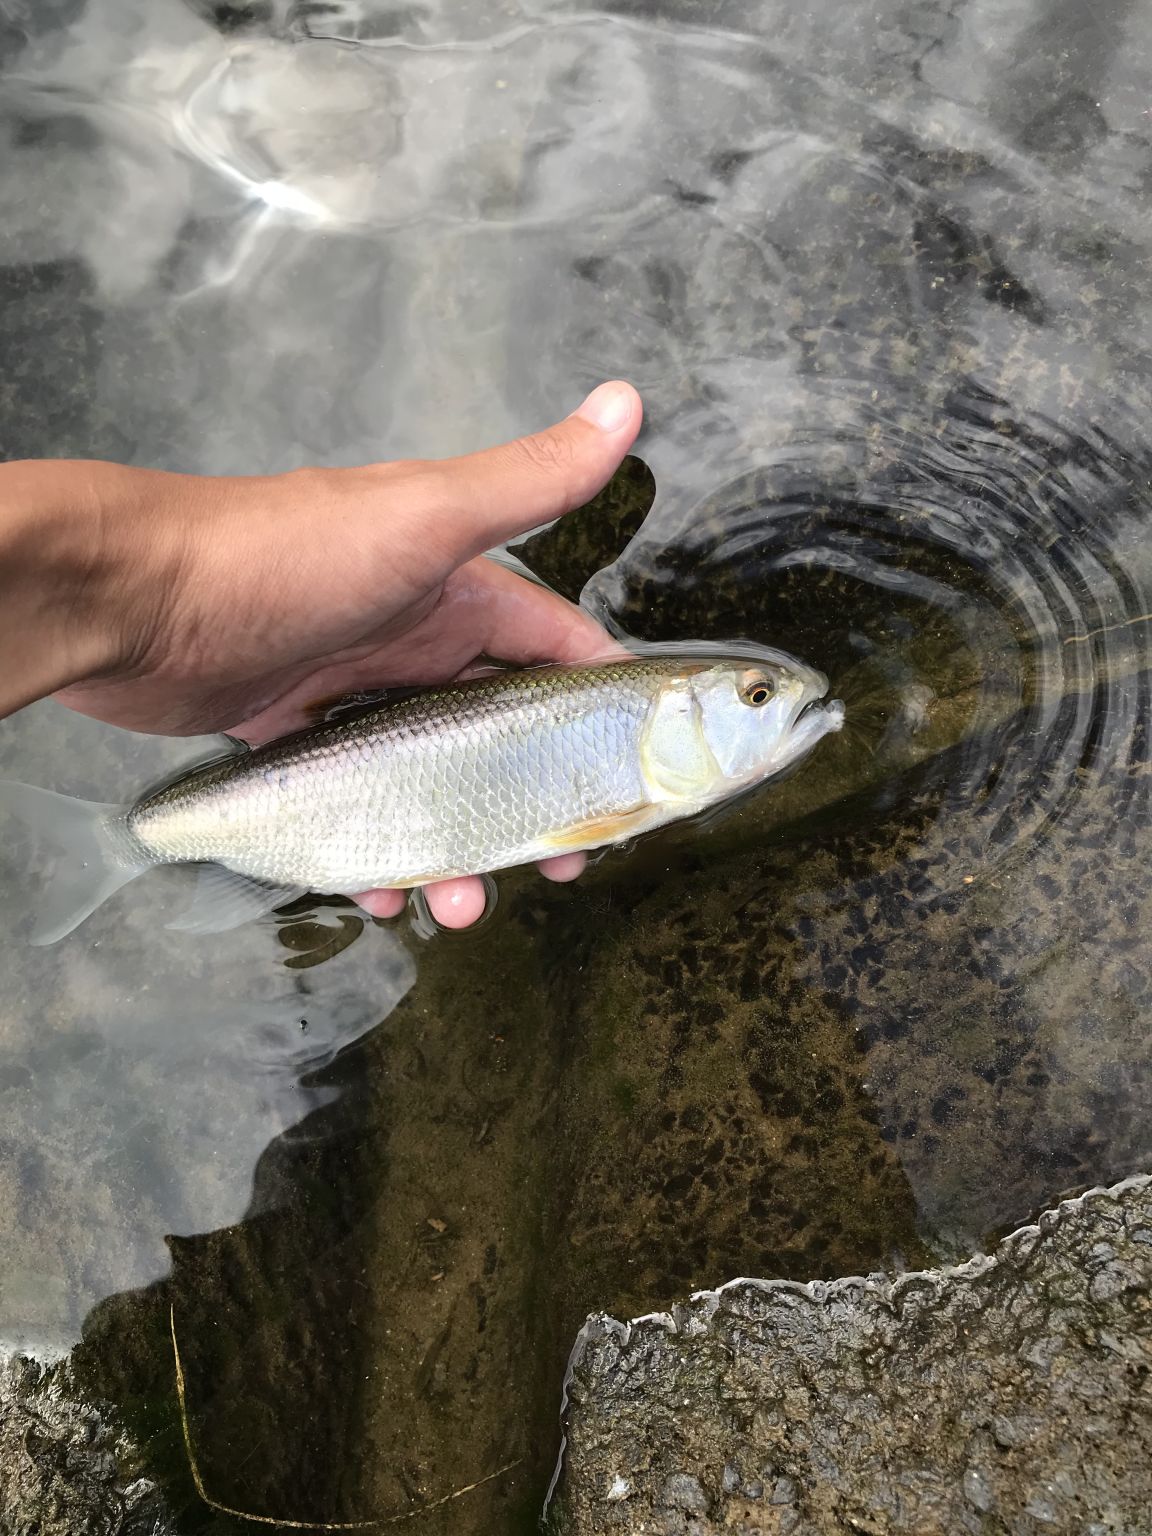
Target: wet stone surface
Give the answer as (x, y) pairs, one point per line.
(66, 1466)
(1007, 1395)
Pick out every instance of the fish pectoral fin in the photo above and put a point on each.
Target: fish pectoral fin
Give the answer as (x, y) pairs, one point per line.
(225, 900)
(601, 830)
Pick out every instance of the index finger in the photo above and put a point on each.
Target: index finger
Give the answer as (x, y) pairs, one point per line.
(515, 620)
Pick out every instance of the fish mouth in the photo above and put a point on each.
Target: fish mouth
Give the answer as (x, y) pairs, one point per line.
(815, 719)
(832, 709)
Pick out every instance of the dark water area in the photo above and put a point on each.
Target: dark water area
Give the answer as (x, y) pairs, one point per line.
(882, 276)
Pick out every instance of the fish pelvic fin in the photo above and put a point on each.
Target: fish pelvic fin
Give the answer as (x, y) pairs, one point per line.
(84, 860)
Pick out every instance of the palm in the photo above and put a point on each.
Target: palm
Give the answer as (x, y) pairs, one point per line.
(481, 609)
(307, 586)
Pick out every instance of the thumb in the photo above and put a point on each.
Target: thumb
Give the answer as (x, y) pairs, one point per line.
(484, 499)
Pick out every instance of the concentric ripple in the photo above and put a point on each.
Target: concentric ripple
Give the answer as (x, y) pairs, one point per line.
(1003, 554)
(975, 581)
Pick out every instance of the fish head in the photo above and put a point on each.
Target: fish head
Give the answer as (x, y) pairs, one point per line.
(721, 726)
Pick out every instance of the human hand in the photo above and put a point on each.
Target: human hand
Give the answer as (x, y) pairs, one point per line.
(240, 602)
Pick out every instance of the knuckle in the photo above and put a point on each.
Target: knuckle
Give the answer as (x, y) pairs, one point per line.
(405, 472)
(308, 479)
(546, 452)
(425, 486)
(420, 486)
(317, 486)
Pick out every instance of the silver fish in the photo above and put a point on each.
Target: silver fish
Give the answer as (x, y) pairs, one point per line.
(457, 780)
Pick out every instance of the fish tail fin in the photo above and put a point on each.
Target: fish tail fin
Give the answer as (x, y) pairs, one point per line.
(88, 863)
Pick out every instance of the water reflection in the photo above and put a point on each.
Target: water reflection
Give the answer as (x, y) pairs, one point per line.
(883, 279)
(142, 1077)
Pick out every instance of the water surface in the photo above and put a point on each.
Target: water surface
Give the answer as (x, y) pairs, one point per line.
(882, 277)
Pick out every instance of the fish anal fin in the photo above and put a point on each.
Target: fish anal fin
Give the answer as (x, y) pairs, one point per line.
(225, 900)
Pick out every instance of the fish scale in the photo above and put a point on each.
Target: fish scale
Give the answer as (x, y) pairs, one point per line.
(462, 779)
(454, 780)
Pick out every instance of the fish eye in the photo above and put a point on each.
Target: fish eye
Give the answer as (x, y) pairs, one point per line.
(757, 689)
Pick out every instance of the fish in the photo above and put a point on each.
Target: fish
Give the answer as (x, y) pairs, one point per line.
(460, 779)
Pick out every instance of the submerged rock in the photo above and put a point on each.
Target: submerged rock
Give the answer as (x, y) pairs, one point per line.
(1007, 1394)
(65, 1466)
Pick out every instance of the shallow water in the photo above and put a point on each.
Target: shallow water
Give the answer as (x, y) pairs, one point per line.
(882, 277)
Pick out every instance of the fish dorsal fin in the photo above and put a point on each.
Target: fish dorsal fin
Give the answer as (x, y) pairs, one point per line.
(225, 900)
(341, 708)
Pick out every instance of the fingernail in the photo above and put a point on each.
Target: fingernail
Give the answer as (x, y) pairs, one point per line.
(607, 407)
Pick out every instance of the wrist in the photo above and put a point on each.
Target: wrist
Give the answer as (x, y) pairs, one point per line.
(72, 566)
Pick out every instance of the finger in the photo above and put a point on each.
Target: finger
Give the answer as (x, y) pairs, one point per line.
(457, 903)
(460, 902)
(563, 867)
(517, 621)
(386, 903)
(484, 610)
(461, 507)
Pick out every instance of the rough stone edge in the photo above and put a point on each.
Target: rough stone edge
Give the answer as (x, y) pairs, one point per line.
(690, 1319)
(44, 1355)
(92, 1468)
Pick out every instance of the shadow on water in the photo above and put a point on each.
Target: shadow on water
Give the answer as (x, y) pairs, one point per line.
(884, 285)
